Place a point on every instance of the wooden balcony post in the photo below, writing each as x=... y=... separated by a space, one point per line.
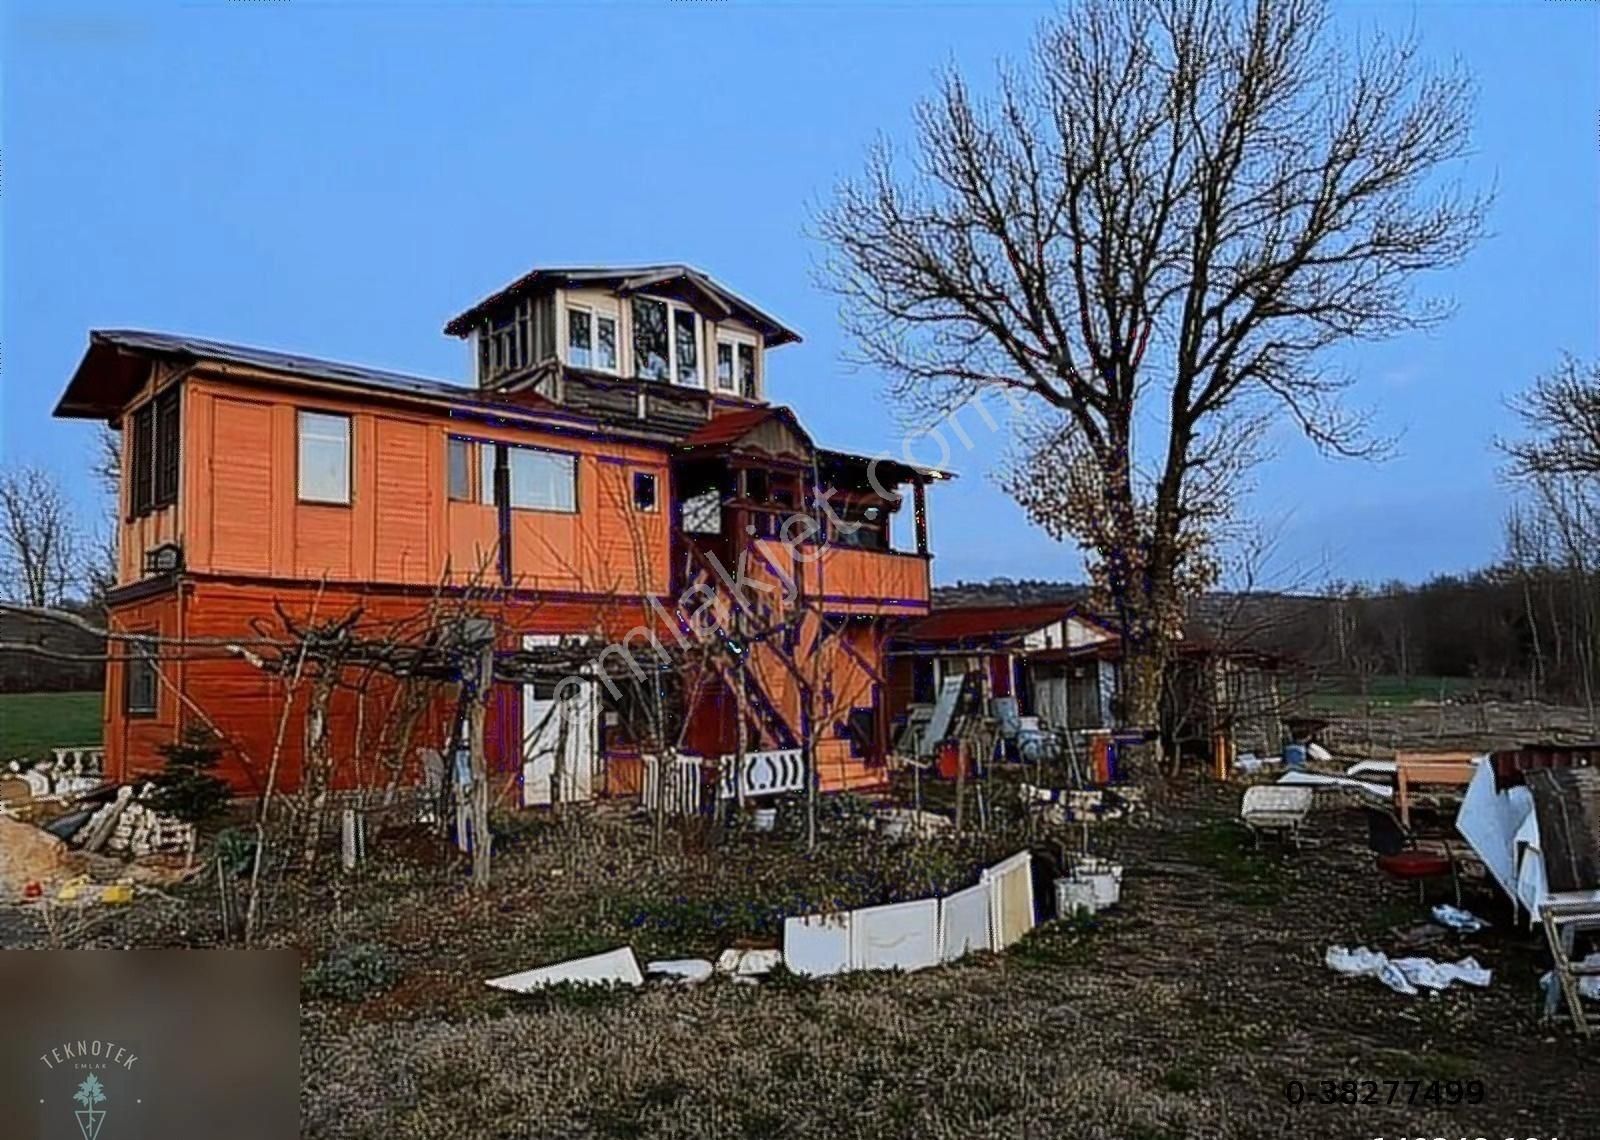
x=920 y=514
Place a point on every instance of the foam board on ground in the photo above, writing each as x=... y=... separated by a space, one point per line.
x=614 y=966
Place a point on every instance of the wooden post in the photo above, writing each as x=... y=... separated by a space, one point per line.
x=479 y=790
x=919 y=502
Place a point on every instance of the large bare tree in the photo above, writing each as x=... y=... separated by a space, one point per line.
x=1148 y=236
x=40 y=546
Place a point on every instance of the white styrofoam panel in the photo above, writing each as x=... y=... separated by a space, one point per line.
x=964 y=922
x=817 y=945
x=1011 y=898
x=902 y=936
x=619 y=966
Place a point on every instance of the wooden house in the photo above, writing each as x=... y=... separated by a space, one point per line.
x=614 y=449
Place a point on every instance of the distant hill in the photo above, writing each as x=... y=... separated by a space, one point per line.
x=1009 y=592
x=23 y=672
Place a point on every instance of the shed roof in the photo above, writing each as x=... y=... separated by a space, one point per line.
x=991 y=623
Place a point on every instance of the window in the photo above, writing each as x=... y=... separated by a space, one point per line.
x=644 y=491
x=139 y=678
x=862 y=729
x=580 y=337
x=864 y=526
x=605 y=343
x=650 y=339
x=142 y=478
x=153 y=457
x=747 y=370
x=736 y=366
x=686 y=346
x=516 y=338
x=591 y=339
x=666 y=342
x=460 y=469
x=487 y=488
x=542 y=480
x=166 y=448
x=324 y=458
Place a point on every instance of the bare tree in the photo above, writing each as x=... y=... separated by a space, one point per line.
x=40 y=547
x=1159 y=223
x=1552 y=536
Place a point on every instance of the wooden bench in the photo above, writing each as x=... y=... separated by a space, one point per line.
x=1413 y=768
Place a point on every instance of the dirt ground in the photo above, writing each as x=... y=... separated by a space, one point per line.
x=1200 y=1007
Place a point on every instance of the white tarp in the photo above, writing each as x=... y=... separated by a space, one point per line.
x=817 y=945
x=1503 y=829
x=617 y=966
x=1405 y=975
x=964 y=919
x=900 y=936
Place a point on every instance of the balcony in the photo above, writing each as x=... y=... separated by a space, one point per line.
x=852 y=580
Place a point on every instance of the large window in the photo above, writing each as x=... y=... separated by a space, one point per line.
x=736 y=366
x=591 y=339
x=542 y=480
x=154 y=454
x=666 y=342
x=324 y=458
x=139 y=678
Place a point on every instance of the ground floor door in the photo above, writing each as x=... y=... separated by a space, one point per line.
x=568 y=726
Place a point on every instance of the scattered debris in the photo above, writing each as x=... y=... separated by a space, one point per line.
x=1275 y=808
x=682 y=971
x=749 y=963
x=1462 y=921
x=614 y=967
x=904 y=823
x=1405 y=975
x=1588 y=985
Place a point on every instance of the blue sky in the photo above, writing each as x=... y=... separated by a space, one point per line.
x=339 y=179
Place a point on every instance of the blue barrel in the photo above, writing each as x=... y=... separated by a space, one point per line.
x=1294 y=755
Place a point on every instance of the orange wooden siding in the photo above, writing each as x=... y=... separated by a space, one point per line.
x=241 y=513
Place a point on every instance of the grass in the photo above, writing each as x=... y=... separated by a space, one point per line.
x=1388 y=690
x=1253 y=878
x=33 y=723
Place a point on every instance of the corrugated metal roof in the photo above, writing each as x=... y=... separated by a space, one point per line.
x=174 y=344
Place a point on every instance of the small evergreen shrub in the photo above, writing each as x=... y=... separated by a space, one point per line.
x=186 y=787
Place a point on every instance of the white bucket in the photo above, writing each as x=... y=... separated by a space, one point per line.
x=766 y=819
x=1105 y=877
x=1074 y=895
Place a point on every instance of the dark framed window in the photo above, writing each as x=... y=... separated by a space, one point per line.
x=141 y=459
x=139 y=681
x=644 y=491
x=166 y=448
x=651 y=347
x=459 y=469
x=862 y=729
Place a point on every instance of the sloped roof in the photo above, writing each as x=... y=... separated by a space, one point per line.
x=111 y=370
x=627 y=279
x=987 y=623
x=729 y=427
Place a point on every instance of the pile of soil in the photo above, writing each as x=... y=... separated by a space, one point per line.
x=29 y=855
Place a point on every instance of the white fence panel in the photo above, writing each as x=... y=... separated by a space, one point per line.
x=1010 y=883
x=965 y=923
x=681 y=785
x=817 y=945
x=903 y=936
x=764 y=774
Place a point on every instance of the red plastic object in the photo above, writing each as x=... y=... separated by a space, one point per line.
x=1414 y=865
x=32 y=890
x=950 y=760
